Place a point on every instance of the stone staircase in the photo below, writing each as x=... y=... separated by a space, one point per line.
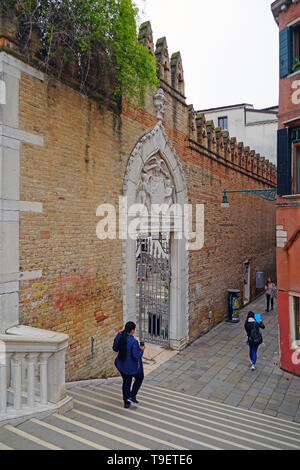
x=163 y=420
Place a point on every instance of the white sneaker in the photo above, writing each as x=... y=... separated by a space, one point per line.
x=252 y=367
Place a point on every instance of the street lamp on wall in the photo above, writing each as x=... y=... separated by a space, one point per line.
x=225 y=203
x=267 y=194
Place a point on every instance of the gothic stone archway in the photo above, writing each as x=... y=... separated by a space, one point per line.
x=154 y=153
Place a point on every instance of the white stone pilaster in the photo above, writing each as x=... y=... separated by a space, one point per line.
x=18 y=359
x=43 y=360
x=31 y=359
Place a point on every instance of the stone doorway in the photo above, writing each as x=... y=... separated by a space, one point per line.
x=154 y=175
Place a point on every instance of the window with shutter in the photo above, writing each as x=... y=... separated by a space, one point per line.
x=284 y=173
x=296 y=55
x=297 y=317
x=286 y=46
x=296 y=167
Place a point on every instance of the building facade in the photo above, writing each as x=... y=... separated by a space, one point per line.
x=255 y=127
x=64 y=158
x=287 y=16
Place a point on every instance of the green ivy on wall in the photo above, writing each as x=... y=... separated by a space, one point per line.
x=95 y=40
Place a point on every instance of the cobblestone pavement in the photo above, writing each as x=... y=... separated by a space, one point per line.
x=217 y=367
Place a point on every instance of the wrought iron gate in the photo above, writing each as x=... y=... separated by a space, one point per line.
x=153 y=288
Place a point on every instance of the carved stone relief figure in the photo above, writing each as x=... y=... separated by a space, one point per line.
x=144 y=196
x=156 y=184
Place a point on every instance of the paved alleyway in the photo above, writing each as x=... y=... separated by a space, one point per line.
x=216 y=367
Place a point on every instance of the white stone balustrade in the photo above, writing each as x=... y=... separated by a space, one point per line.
x=32 y=371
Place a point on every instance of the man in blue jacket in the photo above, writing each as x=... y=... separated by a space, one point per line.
x=129 y=362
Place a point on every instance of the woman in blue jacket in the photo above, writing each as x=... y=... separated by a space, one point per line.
x=254 y=336
x=129 y=362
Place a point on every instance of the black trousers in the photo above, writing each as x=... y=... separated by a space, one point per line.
x=127 y=381
x=269 y=297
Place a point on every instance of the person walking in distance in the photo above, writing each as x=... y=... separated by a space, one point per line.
x=252 y=327
x=129 y=362
x=270 y=289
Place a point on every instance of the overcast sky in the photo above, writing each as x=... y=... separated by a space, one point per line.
x=229 y=48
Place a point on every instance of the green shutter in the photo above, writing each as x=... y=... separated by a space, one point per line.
x=284 y=172
x=286 y=51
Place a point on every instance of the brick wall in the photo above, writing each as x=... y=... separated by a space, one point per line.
x=78 y=168
x=289 y=102
x=81 y=164
x=243 y=232
x=291 y=14
x=288 y=211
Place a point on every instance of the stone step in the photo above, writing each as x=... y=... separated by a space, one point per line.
x=163 y=420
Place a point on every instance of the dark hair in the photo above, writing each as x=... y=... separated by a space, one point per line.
x=122 y=344
x=250 y=315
